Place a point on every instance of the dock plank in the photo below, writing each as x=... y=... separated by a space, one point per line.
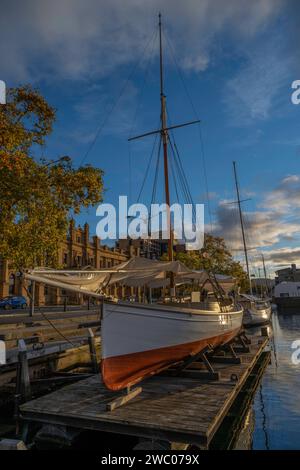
x=173 y=408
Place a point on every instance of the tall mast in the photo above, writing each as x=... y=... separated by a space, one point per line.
x=242 y=223
x=164 y=136
x=163 y=131
x=265 y=273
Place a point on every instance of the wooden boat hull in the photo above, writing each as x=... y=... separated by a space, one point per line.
x=140 y=340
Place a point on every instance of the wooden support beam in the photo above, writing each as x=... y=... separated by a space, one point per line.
x=92 y=347
x=32 y=299
x=123 y=399
x=225 y=359
x=23 y=387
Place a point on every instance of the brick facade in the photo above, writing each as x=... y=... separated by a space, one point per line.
x=77 y=251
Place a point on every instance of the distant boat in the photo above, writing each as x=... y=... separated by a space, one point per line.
x=257 y=310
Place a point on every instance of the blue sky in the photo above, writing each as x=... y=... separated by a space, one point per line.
x=238 y=60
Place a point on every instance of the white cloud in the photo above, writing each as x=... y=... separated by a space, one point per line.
x=275 y=223
x=254 y=90
x=82 y=39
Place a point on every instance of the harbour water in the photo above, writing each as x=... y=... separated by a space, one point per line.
x=274 y=420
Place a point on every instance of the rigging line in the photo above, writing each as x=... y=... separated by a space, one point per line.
x=184 y=188
x=198 y=126
x=182 y=177
x=107 y=116
x=147 y=169
x=176 y=191
x=180 y=170
x=47 y=319
x=136 y=112
x=147 y=69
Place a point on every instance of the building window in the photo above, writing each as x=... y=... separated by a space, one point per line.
x=65 y=261
x=79 y=260
x=78 y=239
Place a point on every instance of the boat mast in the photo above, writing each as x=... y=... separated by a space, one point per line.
x=265 y=273
x=164 y=137
x=163 y=131
x=242 y=224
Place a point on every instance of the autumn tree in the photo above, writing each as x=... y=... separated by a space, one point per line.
x=37 y=196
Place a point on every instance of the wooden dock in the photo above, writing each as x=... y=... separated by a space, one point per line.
x=180 y=409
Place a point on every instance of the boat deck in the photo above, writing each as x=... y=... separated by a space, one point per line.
x=178 y=409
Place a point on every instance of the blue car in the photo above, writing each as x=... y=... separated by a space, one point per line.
x=13 y=301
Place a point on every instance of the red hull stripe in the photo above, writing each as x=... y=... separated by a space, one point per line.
x=120 y=371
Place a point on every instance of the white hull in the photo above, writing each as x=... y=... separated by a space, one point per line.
x=253 y=316
x=139 y=340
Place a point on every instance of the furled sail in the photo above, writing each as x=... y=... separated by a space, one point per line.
x=135 y=272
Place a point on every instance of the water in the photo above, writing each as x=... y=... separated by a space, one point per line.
x=276 y=406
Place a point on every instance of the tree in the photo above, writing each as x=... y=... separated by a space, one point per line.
x=37 y=197
x=216 y=258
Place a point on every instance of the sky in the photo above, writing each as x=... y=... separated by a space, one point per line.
x=230 y=64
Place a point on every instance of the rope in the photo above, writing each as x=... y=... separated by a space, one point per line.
x=47 y=319
x=154 y=188
x=100 y=128
x=198 y=126
x=136 y=113
x=147 y=169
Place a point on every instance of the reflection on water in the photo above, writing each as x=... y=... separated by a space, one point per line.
x=276 y=405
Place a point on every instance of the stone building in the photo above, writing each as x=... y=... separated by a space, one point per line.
x=77 y=251
x=149 y=248
x=291 y=274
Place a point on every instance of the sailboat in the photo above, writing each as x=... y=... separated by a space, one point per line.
x=139 y=340
x=257 y=310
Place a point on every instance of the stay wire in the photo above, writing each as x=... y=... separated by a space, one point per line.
x=147 y=169
x=147 y=69
x=198 y=126
x=177 y=159
x=48 y=320
x=107 y=116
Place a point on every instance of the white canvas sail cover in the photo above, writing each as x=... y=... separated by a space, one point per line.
x=136 y=272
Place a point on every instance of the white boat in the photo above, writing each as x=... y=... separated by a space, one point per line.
x=139 y=340
x=257 y=311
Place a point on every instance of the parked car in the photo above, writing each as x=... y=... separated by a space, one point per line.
x=13 y=301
